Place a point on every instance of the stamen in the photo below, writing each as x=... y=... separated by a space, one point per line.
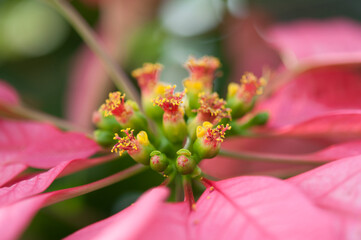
x=211 y=135
x=251 y=86
x=203 y=68
x=115 y=105
x=171 y=101
x=212 y=108
x=128 y=143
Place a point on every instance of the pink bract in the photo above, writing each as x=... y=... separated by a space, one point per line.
x=8 y=94
x=38 y=145
x=239 y=208
x=312 y=42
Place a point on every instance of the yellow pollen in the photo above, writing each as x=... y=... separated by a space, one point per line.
x=193 y=85
x=207 y=125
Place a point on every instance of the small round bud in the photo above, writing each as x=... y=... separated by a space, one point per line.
x=158 y=161
x=185 y=162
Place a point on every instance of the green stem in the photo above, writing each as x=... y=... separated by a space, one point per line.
x=270 y=158
x=65 y=194
x=117 y=75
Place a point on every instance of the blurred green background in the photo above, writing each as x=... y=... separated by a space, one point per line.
x=39 y=53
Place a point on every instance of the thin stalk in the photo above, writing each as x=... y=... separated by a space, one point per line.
x=188 y=193
x=117 y=75
x=18 y=111
x=270 y=158
x=65 y=194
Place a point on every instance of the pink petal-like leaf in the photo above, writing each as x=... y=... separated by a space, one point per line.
x=313 y=94
x=335 y=185
x=41 y=145
x=38 y=145
x=239 y=208
x=8 y=94
x=313 y=42
x=128 y=223
x=40 y=182
x=274 y=151
x=14 y=217
x=10 y=171
x=337 y=124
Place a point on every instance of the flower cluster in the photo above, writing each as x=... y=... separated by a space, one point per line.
x=193 y=123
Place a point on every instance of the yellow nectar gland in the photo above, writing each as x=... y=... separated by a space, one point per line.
x=142 y=138
x=193 y=86
x=128 y=143
x=201 y=130
x=233 y=89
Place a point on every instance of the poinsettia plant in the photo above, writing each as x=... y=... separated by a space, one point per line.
x=190 y=136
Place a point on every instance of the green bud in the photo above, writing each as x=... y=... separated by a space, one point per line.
x=185 y=162
x=158 y=161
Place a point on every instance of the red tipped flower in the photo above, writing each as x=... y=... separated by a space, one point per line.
x=212 y=108
x=173 y=122
x=170 y=103
x=250 y=87
x=147 y=76
x=117 y=107
x=241 y=97
x=209 y=139
x=203 y=69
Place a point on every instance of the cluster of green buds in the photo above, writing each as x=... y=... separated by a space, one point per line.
x=189 y=126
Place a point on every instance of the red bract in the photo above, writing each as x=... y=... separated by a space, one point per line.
x=314 y=93
x=335 y=41
x=8 y=94
x=334 y=186
x=238 y=208
x=38 y=145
